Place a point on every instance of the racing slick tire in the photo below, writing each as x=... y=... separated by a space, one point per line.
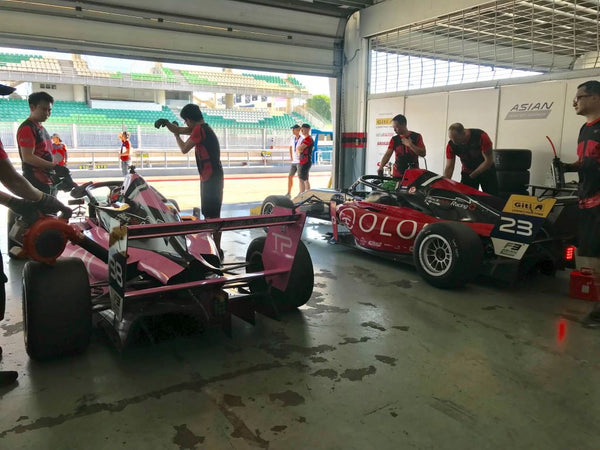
x=512 y=180
x=448 y=254
x=508 y=159
x=300 y=284
x=275 y=200
x=57 y=308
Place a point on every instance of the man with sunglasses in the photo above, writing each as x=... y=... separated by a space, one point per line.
x=587 y=104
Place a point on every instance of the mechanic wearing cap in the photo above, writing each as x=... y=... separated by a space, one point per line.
x=294 y=141
x=208 y=159
x=407 y=146
x=35 y=146
x=474 y=148
x=304 y=151
x=32 y=200
x=587 y=104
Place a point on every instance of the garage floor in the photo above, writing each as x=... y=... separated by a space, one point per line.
x=377 y=359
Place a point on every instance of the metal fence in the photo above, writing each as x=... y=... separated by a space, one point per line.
x=97 y=147
x=148 y=137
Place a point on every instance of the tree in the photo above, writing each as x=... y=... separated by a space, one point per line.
x=321 y=104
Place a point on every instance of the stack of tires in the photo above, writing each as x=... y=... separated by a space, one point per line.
x=512 y=170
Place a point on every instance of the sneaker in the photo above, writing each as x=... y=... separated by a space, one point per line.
x=8 y=377
x=288 y=195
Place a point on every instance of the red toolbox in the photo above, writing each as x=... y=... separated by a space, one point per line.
x=583 y=285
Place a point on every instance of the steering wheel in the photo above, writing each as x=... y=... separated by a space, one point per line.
x=372 y=181
x=87 y=190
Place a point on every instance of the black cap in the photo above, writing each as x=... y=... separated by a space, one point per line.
x=305 y=125
x=6 y=90
x=295 y=127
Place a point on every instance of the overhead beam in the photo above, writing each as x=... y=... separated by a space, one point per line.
x=81 y=35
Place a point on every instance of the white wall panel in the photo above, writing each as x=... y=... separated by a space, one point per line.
x=426 y=114
x=515 y=116
x=527 y=114
x=476 y=108
x=379 y=129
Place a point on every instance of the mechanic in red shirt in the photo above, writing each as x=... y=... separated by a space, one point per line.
x=35 y=146
x=407 y=146
x=587 y=104
x=59 y=150
x=208 y=159
x=474 y=148
x=124 y=155
x=31 y=201
x=304 y=150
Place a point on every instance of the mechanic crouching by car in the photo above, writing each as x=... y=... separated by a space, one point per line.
x=406 y=146
x=474 y=148
x=32 y=201
x=208 y=159
x=35 y=149
x=587 y=104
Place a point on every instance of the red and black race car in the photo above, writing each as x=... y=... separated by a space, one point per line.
x=452 y=232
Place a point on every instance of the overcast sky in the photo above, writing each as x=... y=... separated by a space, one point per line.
x=315 y=85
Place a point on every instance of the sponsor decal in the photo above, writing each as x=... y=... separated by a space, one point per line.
x=432 y=201
x=534 y=110
x=529 y=206
x=383 y=121
x=459 y=203
x=381 y=226
x=509 y=248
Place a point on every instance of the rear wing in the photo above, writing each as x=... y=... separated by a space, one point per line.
x=284 y=232
x=518 y=225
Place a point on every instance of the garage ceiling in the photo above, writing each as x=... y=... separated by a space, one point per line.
x=300 y=36
x=537 y=35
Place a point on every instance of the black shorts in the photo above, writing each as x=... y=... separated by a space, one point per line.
x=303 y=171
x=589 y=232
x=211 y=196
x=293 y=169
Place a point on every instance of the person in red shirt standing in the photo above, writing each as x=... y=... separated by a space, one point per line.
x=35 y=146
x=474 y=148
x=32 y=200
x=587 y=104
x=304 y=150
x=125 y=155
x=407 y=146
x=59 y=150
x=294 y=141
x=208 y=159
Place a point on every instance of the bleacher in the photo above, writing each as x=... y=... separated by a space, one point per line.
x=247 y=119
x=29 y=63
x=82 y=69
x=17 y=110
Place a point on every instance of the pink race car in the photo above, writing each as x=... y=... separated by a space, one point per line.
x=131 y=256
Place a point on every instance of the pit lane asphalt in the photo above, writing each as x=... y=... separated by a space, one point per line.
x=376 y=359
